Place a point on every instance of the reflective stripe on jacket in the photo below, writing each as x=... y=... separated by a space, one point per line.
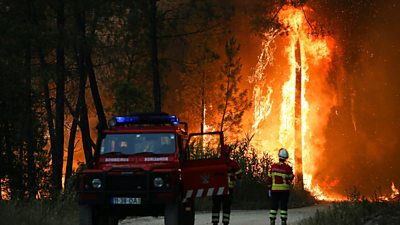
x=280 y=177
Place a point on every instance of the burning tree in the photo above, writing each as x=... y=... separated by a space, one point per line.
x=298 y=103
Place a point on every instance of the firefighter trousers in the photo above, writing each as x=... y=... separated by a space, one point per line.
x=225 y=201
x=279 y=200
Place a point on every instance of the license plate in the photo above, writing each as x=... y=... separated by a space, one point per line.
x=126 y=201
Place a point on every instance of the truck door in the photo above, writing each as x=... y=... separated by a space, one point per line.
x=204 y=171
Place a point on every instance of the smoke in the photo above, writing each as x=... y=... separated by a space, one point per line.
x=360 y=147
x=363 y=148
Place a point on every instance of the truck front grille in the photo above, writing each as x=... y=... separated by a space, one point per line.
x=126 y=183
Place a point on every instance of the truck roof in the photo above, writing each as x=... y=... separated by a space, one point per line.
x=146 y=122
x=143 y=129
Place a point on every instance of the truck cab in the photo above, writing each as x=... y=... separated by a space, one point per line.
x=148 y=165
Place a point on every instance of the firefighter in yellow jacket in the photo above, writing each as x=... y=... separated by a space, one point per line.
x=280 y=178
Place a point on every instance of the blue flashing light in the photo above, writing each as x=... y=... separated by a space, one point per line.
x=174 y=119
x=145 y=119
x=127 y=119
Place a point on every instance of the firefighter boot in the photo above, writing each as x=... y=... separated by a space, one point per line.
x=283 y=222
x=272 y=221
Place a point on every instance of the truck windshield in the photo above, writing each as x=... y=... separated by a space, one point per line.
x=136 y=143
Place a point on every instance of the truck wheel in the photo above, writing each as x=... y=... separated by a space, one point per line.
x=188 y=212
x=107 y=220
x=86 y=215
x=173 y=213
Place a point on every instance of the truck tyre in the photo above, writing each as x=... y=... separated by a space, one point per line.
x=173 y=213
x=86 y=215
x=107 y=220
x=188 y=212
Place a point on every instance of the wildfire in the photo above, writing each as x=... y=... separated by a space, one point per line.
x=4 y=194
x=395 y=194
x=274 y=100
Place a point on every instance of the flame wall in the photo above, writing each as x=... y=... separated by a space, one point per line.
x=353 y=93
x=363 y=148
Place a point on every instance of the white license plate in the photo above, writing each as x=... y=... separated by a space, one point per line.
x=126 y=201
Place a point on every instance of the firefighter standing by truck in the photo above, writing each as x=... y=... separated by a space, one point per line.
x=280 y=178
x=234 y=173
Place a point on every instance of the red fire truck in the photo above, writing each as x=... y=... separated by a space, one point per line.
x=148 y=165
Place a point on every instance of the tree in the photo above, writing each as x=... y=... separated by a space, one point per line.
x=154 y=55
x=190 y=41
x=234 y=102
x=58 y=154
x=21 y=130
x=130 y=99
x=29 y=111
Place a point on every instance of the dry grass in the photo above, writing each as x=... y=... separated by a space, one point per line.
x=358 y=213
x=38 y=212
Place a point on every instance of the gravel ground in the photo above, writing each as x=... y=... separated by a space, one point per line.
x=238 y=217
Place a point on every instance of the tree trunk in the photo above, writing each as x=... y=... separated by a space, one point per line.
x=85 y=52
x=298 y=150
x=29 y=136
x=98 y=104
x=203 y=102
x=47 y=101
x=81 y=108
x=154 y=56
x=95 y=90
x=58 y=154
x=71 y=148
x=227 y=98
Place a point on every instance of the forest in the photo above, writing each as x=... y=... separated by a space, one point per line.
x=67 y=66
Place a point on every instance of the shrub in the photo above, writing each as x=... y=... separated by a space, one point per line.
x=61 y=211
x=357 y=213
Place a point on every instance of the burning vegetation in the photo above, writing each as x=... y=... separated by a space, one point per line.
x=323 y=80
x=298 y=103
x=306 y=99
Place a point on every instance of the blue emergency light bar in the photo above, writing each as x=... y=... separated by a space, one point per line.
x=144 y=119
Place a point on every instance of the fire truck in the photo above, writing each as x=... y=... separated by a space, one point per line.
x=148 y=165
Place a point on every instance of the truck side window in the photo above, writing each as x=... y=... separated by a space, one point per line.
x=204 y=147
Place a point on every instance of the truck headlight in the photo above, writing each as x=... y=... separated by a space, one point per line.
x=96 y=183
x=158 y=182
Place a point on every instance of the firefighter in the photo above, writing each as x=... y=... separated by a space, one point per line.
x=280 y=178
x=234 y=173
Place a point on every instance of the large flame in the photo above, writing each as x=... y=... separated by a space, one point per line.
x=274 y=98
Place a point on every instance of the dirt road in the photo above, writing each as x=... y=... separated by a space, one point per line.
x=238 y=217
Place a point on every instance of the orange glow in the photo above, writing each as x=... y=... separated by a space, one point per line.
x=395 y=192
x=274 y=100
x=3 y=190
x=393 y=195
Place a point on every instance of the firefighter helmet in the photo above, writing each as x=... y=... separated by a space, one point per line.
x=283 y=154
